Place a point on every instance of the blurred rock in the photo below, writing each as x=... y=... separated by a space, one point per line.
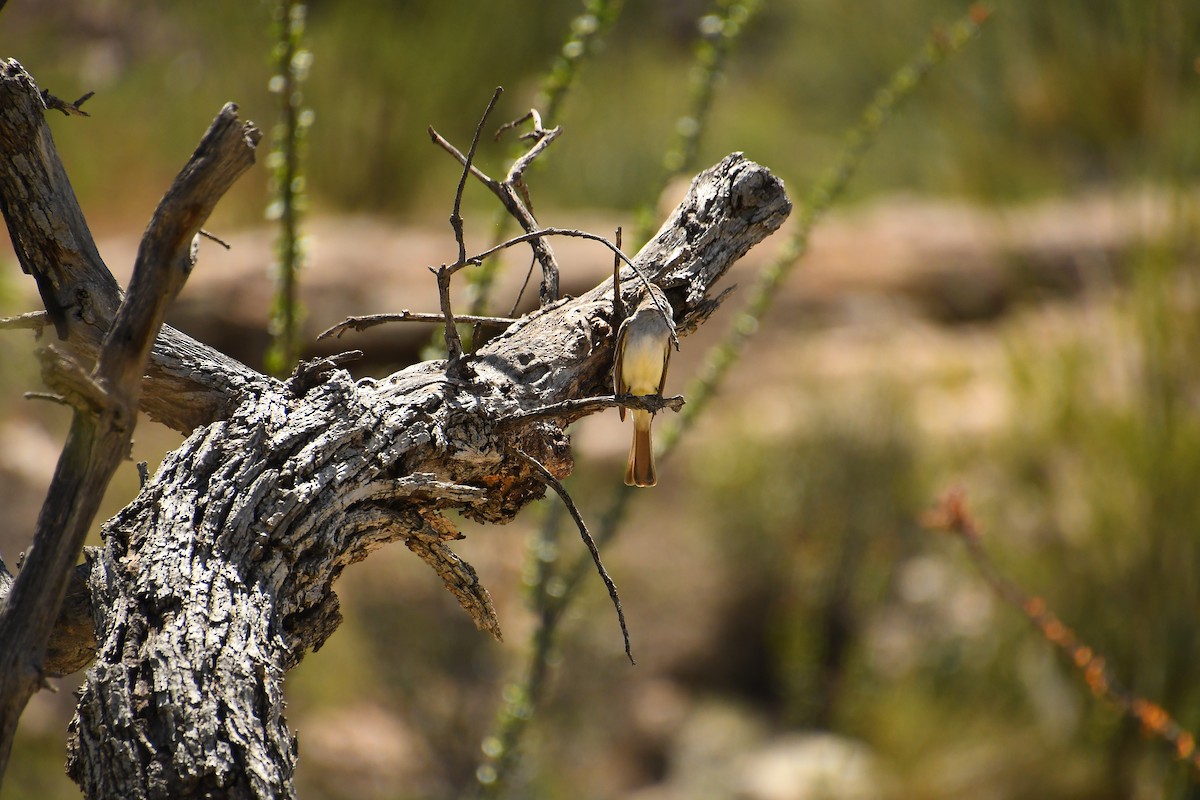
x=705 y=752
x=364 y=752
x=947 y=262
x=722 y=750
x=28 y=454
x=817 y=766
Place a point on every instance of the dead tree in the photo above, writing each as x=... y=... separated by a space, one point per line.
x=218 y=577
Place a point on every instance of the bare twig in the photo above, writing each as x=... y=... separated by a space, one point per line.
x=553 y=482
x=524 y=285
x=212 y=237
x=573 y=232
x=516 y=172
x=953 y=516
x=49 y=397
x=454 y=346
x=479 y=174
x=540 y=233
x=366 y=321
x=583 y=406
x=35 y=320
x=456 y=220
x=68 y=109
x=618 y=312
x=531 y=114
x=585 y=33
x=511 y=193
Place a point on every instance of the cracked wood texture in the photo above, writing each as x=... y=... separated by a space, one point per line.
x=218 y=577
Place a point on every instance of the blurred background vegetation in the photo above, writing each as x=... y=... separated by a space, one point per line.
x=1007 y=301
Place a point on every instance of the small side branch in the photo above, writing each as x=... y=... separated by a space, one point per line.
x=456 y=220
x=548 y=478
x=33 y=320
x=583 y=406
x=362 y=323
x=511 y=192
x=454 y=346
x=58 y=104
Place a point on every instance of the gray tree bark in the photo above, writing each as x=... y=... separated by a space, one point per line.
x=218 y=577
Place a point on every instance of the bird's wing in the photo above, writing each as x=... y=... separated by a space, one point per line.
x=618 y=383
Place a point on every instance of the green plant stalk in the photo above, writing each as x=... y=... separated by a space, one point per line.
x=719 y=32
x=501 y=745
x=286 y=160
x=522 y=699
x=585 y=38
x=824 y=194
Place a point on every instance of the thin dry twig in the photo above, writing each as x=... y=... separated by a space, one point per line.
x=582 y=406
x=531 y=114
x=579 y=234
x=68 y=109
x=524 y=286
x=540 y=233
x=544 y=138
x=553 y=482
x=952 y=515
x=515 y=198
x=47 y=396
x=212 y=237
x=362 y=323
x=454 y=346
x=456 y=220
x=618 y=312
x=35 y=320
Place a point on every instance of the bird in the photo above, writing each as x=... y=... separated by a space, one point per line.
x=640 y=368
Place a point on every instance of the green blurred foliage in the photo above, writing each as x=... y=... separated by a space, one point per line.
x=1056 y=94
x=821 y=516
x=1109 y=453
x=847 y=617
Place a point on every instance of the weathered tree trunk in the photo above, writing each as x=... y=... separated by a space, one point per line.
x=218 y=577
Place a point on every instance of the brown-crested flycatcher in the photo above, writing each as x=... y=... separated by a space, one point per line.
x=640 y=368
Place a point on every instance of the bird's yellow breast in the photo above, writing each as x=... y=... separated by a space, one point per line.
x=642 y=364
